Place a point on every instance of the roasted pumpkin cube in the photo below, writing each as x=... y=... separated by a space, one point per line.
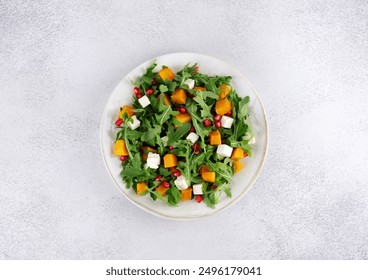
x=238 y=153
x=204 y=168
x=162 y=190
x=166 y=74
x=120 y=148
x=183 y=118
x=179 y=96
x=215 y=137
x=209 y=176
x=225 y=90
x=126 y=109
x=237 y=165
x=199 y=88
x=170 y=160
x=186 y=194
x=223 y=106
x=141 y=187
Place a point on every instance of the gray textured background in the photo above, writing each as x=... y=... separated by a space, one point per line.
x=59 y=62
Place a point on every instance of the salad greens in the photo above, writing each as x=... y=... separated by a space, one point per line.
x=182 y=104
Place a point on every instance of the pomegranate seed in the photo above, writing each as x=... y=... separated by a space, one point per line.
x=199 y=198
x=154 y=82
x=176 y=173
x=182 y=110
x=196 y=148
x=214 y=187
x=166 y=184
x=171 y=148
x=218 y=124
x=196 y=69
x=149 y=91
x=245 y=154
x=119 y=122
x=123 y=158
x=217 y=118
x=158 y=178
x=136 y=91
x=192 y=129
x=229 y=114
x=207 y=123
x=139 y=95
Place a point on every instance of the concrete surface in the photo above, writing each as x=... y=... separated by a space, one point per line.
x=59 y=62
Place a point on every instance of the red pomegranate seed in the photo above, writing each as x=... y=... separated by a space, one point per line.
x=214 y=187
x=154 y=82
x=196 y=148
x=171 y=148
x=245 y=154
x=229 y=114
x=119 y=122
x=158 y=178
x=199 y=198
x=217 y=118
x=207 y=123
x=149 y=91
x=192 y=129
x=139 y=95
x=123 y=158
x=166 y=184
x=176 y=173
x=136 y=91
x=196 y=69
x=218 y=124
x=182 y=110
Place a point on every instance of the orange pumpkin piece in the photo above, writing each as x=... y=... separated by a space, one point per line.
x=141 y=187
x=238 y=153
x=166 y=99
x=209 y=176
x=186 y=194
x=225 y=90
x=162 y=190
x=126 y=109
x=170 y=160
x=204 y=168
x=179 y=96
x=215 y=137
x=183 y=118
x=199 y=88
x=166 y=74
x=145 y=150
x=237 y=165
x=120 y=148
x=223 y=106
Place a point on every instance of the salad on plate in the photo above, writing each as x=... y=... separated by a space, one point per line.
x=183 y=137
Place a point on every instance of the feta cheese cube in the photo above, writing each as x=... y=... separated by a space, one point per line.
x=192 y=137
x=226 y=122
x=189 y=83
x=144 y=101
x=153 y=160
x=136 y=123
x=164 y=140
x=181 y=183
x=197 y=189
x=224 y=150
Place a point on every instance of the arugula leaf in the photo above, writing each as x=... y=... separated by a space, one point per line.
x=180 y=131
x=163 y=88
x=174 y=196
x=206 y=110
x=165 y=116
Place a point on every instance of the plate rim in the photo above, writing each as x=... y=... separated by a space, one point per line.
x=252 y=181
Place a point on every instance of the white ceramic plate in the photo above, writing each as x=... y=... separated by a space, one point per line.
x=243 y=180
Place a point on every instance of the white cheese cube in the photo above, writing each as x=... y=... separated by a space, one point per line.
x=226 y=122
x=224 y=150
x=189 y=83
x=197 y=189
x=192 y=137
x=136 y=123
x=181 y=183
x=153 y=160
x=144 y=101
x=252 y=141
x=164 y=140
